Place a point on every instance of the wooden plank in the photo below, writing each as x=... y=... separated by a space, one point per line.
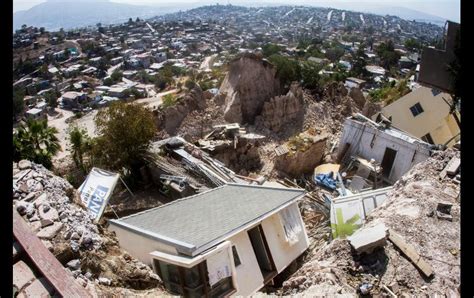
x=46 y=262
x=411 y=253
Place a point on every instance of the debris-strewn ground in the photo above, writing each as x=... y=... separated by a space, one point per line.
x=92 y=254
x=409 y=210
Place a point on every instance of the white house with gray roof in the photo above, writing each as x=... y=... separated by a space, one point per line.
x=231 y=240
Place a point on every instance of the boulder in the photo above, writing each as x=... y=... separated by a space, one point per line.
x=50 y=232
x=24 y=164
x=74 y=264
x=358 y=97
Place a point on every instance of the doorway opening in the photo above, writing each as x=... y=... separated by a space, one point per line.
x=387 y=161
x=262 y=253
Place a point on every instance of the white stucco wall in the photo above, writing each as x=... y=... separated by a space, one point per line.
x=248 y=277
x=360 y=140
x=283 y=254
x=138 y=245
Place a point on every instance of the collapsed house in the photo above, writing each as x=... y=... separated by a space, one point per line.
x=393 y=151
x=237 y=238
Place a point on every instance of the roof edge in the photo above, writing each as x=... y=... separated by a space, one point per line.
x=245 y=226
x=181 y=247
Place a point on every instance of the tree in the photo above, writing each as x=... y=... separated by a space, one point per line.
x=130 y=21
x=334 y=53
x=412 y=44
x=35 y=141
x=287 y=70
x=51 y=99
x=42 y=30
x=108 y=82
x=116 y=76
x=388 y=55
x=310 y=75
x=18 y=102
x=359 y=63
x=80 y=146
x=125 y=131
x=270 y=49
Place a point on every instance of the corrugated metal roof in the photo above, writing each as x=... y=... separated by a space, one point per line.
x=206 y=217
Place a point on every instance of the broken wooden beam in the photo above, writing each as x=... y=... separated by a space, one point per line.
x=45 y=261
x=411 y=253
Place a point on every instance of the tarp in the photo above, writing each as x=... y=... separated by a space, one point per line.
x=291 y=224
x=348 y=212
x=327 y=168
x=326 y=180
x=96 y=190
x=218 y=266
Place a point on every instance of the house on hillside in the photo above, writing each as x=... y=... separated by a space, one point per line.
x=395 y=150
x=72 y=99
x=433 y=70
x=425 y=113
x=231 y=240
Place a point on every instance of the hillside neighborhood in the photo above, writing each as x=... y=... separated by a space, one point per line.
x=238 y=151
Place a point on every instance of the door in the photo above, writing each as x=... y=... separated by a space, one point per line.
x=262 y=253
x=387 y=161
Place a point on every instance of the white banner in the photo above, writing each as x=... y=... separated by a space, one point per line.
x=289 y=218
x=218 y=266
x=96 y=191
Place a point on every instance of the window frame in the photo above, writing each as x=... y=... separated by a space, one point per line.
x=203 y=276
x=416 y=109
x=235 y=253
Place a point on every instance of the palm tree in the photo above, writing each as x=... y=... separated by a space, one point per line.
x=80 y=145
x=35 y=141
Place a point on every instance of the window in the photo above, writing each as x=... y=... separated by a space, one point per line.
x=416 y=109
x=191 y=282
x=236 y=256
x=427 y=138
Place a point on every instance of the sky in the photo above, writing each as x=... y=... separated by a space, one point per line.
x=448 y=9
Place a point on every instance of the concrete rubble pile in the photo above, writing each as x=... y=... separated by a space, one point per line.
x=49 y=204
x=423 y=213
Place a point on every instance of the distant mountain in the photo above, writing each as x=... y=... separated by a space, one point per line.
x=56 y=14
x=379 y=9
x=405 y=13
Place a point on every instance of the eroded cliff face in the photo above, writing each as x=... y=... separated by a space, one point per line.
x=171 y=118
x=283 y=110
x=305 y=153
x=248 y=84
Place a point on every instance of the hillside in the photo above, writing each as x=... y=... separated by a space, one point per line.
x=55 y=14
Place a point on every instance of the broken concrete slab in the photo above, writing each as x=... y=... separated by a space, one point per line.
x=443 y=211
x=453 y=166
x=22 y=275
x=50 y=232
x=39 y=288
x=43 y=198
x=48 y=213
x=366 y=240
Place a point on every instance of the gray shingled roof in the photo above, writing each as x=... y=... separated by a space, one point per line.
x=203 y=218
